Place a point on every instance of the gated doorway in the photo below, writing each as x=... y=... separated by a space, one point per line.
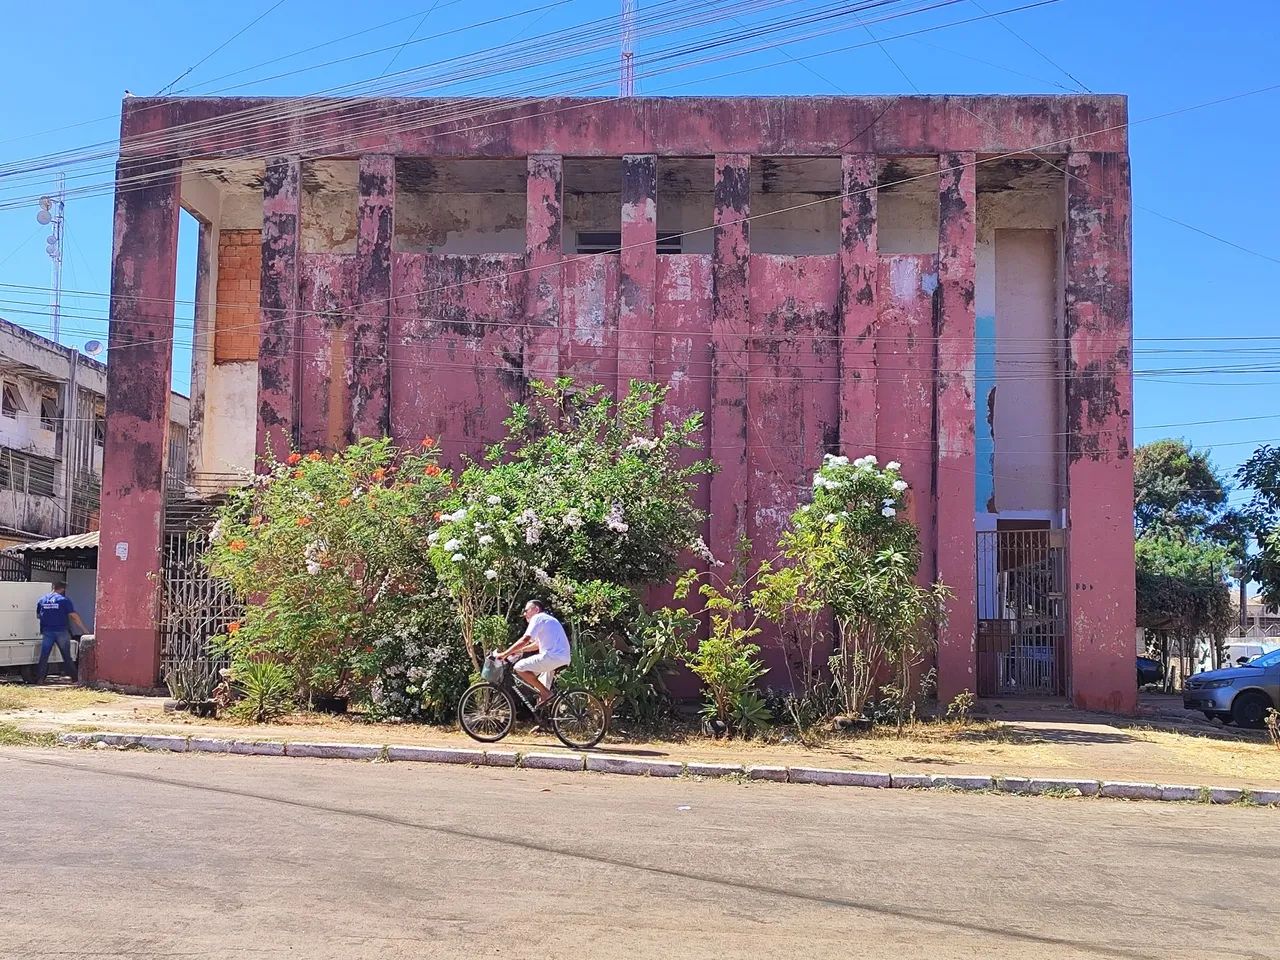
x=1022 y=633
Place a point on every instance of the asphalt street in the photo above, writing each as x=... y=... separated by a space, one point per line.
x=107 y=854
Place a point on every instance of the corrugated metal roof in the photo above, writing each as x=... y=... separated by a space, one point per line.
x=81 y=541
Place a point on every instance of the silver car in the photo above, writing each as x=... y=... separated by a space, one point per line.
x=1243 y=694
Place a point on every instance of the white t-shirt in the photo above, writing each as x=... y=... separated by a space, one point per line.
x=549 y=635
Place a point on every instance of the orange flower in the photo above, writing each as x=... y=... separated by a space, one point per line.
x=432 y=470
x=439 y=516
x=314 y=456
x=237 y=545
x=379 y=475
x=344 y=501
x=255 y=521
x=297 y=474
x=428 y=443
x=304 y=521
x=233 y=626
x=294 y=458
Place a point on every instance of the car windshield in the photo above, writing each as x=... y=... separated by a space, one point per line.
x=1266 y=660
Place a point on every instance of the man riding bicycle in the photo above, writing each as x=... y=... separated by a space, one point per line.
x=549 y=644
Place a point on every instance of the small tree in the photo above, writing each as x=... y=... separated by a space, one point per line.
x=1183 y=593
x=726 y=660
x=321 y=549
x=851 y=552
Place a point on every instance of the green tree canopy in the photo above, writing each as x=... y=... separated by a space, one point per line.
x=1187 y=540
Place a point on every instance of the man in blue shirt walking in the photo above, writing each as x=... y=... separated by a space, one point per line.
x=57 y=613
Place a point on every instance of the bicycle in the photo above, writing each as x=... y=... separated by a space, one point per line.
x=487 y=710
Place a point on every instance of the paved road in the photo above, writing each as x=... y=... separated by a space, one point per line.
x=143 y=855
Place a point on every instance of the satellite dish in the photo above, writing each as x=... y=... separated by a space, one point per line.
x=93 y=347
x=43 y=217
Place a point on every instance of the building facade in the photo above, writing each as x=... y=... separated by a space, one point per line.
x=943 y=281
x=52 y=434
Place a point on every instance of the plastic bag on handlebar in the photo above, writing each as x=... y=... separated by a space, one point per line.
x=491 y=670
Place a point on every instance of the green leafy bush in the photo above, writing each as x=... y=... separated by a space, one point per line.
x=318 y=548
x=726 y=660
x=586 y=501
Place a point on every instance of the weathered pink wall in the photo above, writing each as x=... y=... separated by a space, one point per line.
x=787 y=357
x=955 y=437
x=1099 y=332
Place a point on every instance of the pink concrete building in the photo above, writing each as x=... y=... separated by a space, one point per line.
x=942 y=281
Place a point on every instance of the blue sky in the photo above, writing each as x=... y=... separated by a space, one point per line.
x=1210 y=168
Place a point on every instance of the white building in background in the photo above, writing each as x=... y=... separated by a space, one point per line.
x=52 y=417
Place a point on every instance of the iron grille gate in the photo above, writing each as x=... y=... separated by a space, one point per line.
x=1021 y=613
x=195 y=605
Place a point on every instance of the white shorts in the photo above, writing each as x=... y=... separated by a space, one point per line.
x=543 y=664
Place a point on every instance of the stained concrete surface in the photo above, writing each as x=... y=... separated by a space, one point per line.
x=112 y=854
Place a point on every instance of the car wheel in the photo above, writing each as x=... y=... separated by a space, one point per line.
x=1250 y=709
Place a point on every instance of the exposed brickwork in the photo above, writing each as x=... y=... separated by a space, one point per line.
x=235 y=325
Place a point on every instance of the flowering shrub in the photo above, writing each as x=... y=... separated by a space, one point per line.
x=585 y=501
x=852 y=553
x=422 y=668
x=321 y=548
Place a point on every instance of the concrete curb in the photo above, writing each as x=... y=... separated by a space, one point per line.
x=643 y=767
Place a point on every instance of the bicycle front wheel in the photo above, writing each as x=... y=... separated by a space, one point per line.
x=578 y=719
x=486 y=713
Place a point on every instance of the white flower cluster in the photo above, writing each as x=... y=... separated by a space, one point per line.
x=542 y=577
x=491 y=574
x=312 y=554
x=642 y=443
x=215 y=535
x=485 y=539
x=700 y=549
x=825 y=483
x=533 y=527
x=452 y=545
x=572 y=519
x=614 y=520
x=459 y=514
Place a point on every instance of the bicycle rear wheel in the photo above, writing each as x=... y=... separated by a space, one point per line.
x=578 y=719
x=486 y=712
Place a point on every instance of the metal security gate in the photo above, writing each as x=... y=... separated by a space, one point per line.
x=1021 y=613
x=195 y=606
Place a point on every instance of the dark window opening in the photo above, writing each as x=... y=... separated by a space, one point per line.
x=28 y=473
x=611 y=242
x=12 y=404
x=40 y=476
x=49 y=413
x=99 y=431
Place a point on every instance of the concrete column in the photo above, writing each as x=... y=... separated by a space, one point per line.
x=1099 y=408
x=730 y=346
x=544 y=253
x=954 y=498
x=857 y=305
x=143 y=272
x=369 y=370
x=638 y=264
x=279 y=343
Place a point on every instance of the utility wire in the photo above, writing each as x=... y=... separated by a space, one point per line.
x=222 y=46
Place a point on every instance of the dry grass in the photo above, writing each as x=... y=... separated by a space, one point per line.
x=1225 y=758
x=11 y=736
x=53 y=697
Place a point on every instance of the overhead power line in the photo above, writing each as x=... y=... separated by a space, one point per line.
x=222 y=46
